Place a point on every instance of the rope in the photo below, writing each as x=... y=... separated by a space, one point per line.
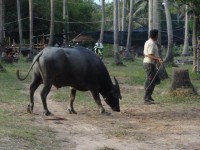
x=154 y=77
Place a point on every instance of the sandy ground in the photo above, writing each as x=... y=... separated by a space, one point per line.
x=139 y=127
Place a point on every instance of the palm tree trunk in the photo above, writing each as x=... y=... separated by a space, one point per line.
x=51 y=37
x=156 y=18
x=65 y=25
x=19 y=22
x=150 y=14
x=31 y=23
x=2 y=17
x=194 y=43
x=186 y=42
x=169 y=56
x=119 y=16
x=124 y=15
x=127 y=54
x=116 y=35
x=102 y=20
x=123 y=21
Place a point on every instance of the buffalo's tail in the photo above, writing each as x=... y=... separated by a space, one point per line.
x=34 y=61
x=20 y=78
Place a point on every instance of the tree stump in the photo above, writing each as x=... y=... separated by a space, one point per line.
x=181 y=80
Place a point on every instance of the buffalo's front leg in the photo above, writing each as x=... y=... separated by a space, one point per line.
x=44 y=93
x=34 y=85
x=72 y=98
x=98 y=101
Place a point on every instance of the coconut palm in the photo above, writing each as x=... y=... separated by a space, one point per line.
x=2 y=22
x=31 y=23
x=194 y=6
x=186 y=40
x=116 y=36
x=140 y=13
x=51 y=37
x=19 y=22
x=2 y=18
x=124 y=12
x=102 y=20
x=127 y=54
x=169 y=55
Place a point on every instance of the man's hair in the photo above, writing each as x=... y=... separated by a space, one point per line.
x=153 y=33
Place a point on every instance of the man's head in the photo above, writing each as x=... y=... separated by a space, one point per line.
x=154 y=34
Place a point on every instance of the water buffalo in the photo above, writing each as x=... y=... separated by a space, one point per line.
x=78 y=68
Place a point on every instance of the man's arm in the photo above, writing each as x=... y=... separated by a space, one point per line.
x=154 y=58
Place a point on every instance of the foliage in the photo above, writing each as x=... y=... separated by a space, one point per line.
x=82 y=15
x=193 y=4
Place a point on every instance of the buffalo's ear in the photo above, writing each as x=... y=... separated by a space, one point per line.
x=116 y=89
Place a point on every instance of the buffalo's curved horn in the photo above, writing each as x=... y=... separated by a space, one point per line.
x=118 y=88
x=116 y=82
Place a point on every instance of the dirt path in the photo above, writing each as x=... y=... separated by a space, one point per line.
x=137 y=127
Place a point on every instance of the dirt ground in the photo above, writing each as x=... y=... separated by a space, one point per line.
x=139 y=127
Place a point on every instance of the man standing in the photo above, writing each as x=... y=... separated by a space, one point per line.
x=151 y=58
x=98 y=49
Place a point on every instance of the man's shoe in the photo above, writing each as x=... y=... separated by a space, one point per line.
x=148 y=102
x=151 y=99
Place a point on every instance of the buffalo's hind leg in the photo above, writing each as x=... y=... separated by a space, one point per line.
x=44 y=93
x=37 y=80
x=72 y=98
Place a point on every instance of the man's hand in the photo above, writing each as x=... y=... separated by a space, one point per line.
x=160 y=60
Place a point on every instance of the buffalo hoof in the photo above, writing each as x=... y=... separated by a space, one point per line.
x=29 y=109
x=102 y=111
x=47 y=113
x=72 y=111
x=106 y=113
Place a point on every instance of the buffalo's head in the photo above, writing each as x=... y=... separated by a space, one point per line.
x=113 y=97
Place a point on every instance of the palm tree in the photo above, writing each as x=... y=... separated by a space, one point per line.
x=31 y=23
x=156 y=18
x=169 y=56
x=51 y=37
x=186 y=42
x=140 y=12
x=2 y=18
x=116 y=36
x=119 y=16
x=150 y=15
x=194 y=42
x=127 y=54
x=124 y=10
x=65 y=18
x=194 y=9
x=19 y=22
x=102 y=20
x=2 y=22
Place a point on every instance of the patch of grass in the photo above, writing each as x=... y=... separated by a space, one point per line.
x=16 y=128
x=132 y=72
